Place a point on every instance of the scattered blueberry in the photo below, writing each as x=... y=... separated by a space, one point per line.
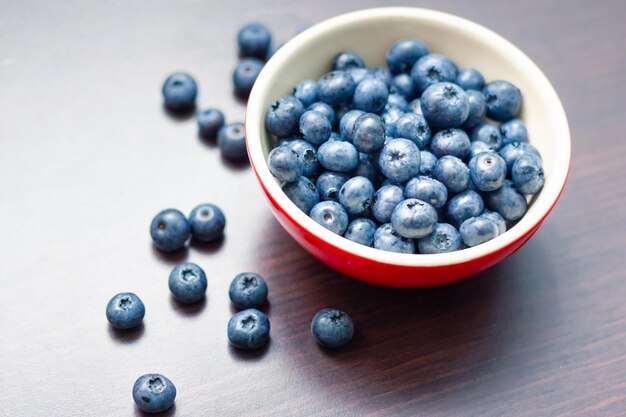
x=231 y=140
x=431 y=69
x=207 y=222
x=180 y=91
x=503 y=100
x=210 y=121
x=477 y=230
x=245 y=74
x=285 y=164
x=356 y=195
x=248 y=290
x=307 y=92
x=254 y=40
x=452 y=141
x=444 y=238
x=283 y=117
x=527 y=174
x=249 y=329
x=338 y=156
x=399 y=160
x=445 y=105
x=125 y=311
x=329 y=183
x=347 y=60
x=302 y=193
x=332 y=328
x=403 y=54
x=487 y=171
x=315 y=127
x=427 y=189
x=187 y=282
x=370 y=95
x=154 y=393
x=470 y=79
x=169 y=230
x=387 y=239
x=331 y=215
x=464 y=205
x=413 y=218
x=385 y=201
x=361 y=231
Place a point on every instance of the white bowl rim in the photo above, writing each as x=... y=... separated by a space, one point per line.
x=543 y=204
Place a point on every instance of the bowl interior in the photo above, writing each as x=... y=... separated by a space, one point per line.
x=370 y=33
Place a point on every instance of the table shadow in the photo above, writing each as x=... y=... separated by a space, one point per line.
x=126 y=336
x=173 y=258
x=171 y=412
x=188 y=309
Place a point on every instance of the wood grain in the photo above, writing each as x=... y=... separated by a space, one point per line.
x=88 y=156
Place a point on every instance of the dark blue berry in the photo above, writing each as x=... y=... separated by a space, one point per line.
x=399 y=160
x=249 y=329
x=347 y=60
x=285 y=164
x=187 y=282
x=463 y=206
x=444 y=238
x=231 y=140
x=154 y=393
x=527 y=174
x=427 y=189
x=431 y=69
x=338 y=156
x=315 y=127
x=346 y=124
x=254 y=39
x=413 y=218
x=477 y=109
x=248 y=290
x=445 y=105
x=332 y=328
x=488 y=133
x=331 y=215
x=325 y=109
x=245 y=74
x=385 y=201
x=452 y=172
x=329 y=183
x=503 y=100
x=210 y=121
x=361 y=231
x=477 y=230
x=402 y=85
x=282 y=118
x=413 y=127
x=307 y=92
x=356 y=195
x=514 y=131
x=487 y=171
x=307 y=154
x=336 y=87
x=169 y=230
x=180 y=91
x=470 y=79
x=507 y=201
x=453 y=142
x=370 y=95
x=207 y=222
x=302 y=193
x=388 y=240
x=125 y=310
x=403 y=54
x=368 y=133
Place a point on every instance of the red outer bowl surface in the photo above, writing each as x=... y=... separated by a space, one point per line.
x=369 y=33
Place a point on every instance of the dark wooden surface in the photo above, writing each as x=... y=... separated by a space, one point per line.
x=88 y=156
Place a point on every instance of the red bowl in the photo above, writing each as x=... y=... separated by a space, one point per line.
x=370 y=33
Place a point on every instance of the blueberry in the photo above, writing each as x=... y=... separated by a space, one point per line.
x=367 y=168
x=210 y=121
x=347 y=60
x=403 y=54
x=249 y=329
x=431 y=69
x=329 y=183
x=245 y=74
x=413 y=218
x=477 y=109
x=463 y=206
x=503 y=100
x=358 y=74
x=187 y=282
x=285 y=164
x=514 y=131
x=307 y=153
x=445 y=105
x=370 y=95
x=254 y=40
x=452 y=172
x=180 y=91
x=488 y=133
x=527 y=174
x=302 y=193
x=402 y=85
x=338 y=156
x=248 y=290
x=390 y=118
x=495 y=218
x=332 y=328
x=125 y=310
x=470 y=79
x=169 y=230
x=346 y=123
x=387 y=239
x=361 y=231
x=478 y=147
x=154 y=393
x=477 y=230
x=336 y=87
x=368 y=133
x=331 y=215
x=315 y=127
x=385 y=201
x=509 y=203
x=427 y=163
x=307 y=92
x=513 y=150
x=427 y=189
x=453 y=142
x=413 y=127
x=325 y=109
x=231 y=140
x=399 y=160
x=415 y=106
x=397 y=101
x=282 y=118
x=487 y=171
x=444 y=238
x=356 y=195
x=207 y=222
x=380 y=73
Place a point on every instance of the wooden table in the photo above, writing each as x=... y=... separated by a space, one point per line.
x=88 y=156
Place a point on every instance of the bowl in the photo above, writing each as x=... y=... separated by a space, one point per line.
x=370 y=33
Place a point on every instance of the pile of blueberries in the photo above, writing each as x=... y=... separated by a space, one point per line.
x=404 y=158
